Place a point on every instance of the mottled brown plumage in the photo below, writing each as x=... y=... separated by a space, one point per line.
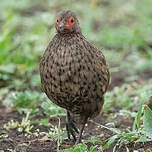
x=74 y=74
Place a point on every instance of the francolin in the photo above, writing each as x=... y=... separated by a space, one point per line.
x=74 y=74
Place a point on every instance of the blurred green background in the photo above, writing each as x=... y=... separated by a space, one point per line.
x=121 y=29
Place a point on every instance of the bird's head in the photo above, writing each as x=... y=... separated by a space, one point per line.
x=67 y=22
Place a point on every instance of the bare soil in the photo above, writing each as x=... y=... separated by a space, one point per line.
x=19 y=141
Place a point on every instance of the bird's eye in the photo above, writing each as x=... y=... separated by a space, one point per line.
x=58 y=21
x=72 y=20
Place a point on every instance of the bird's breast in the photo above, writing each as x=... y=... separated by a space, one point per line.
x=71 y=75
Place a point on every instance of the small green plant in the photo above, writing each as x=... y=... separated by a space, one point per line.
x=24 y=126
x=94 y=140
x=3 y=136
x=138 y=134
x=118 y=94
x=81 y=148
x=26 y=99
x=44 y=122
x=149 y=150
x=11 y=125
x=11 y=150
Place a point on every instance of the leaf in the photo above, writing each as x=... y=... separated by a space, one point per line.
x=110 y=141
x=142 y=139
x=137 y=119
x=44 y=122
x=93 y=148
x=147 y=121
x=114 y=130
x=138 y=116
x=81 y=148
x=149 y=150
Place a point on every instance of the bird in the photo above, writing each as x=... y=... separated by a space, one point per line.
x=74 y=74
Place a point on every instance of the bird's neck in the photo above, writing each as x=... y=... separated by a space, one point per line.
x=68 y=34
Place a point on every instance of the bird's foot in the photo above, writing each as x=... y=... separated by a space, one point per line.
x=71 y=127
x=80 y=133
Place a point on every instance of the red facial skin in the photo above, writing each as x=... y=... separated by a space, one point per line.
x=68 y=24
x=58 y=22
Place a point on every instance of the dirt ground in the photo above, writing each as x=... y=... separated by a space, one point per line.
x=18 y=141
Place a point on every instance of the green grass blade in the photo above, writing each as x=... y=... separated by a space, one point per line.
x=147 y=121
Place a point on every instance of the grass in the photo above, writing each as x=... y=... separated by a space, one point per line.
x=122 y=29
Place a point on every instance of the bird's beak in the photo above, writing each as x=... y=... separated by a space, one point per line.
x=62 y=25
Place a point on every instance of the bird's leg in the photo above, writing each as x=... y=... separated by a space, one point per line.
x=80 y=133
x=70 y=126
